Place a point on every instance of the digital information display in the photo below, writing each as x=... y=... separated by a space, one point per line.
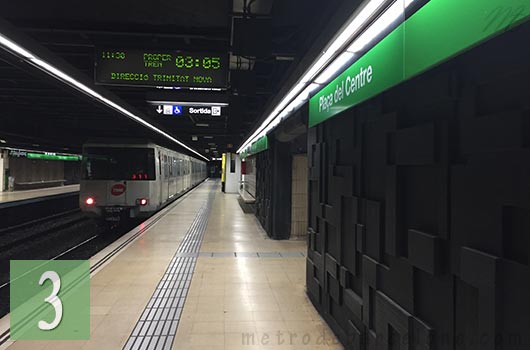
x=161 y=68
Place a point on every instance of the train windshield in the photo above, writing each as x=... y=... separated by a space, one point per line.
x=113 y=163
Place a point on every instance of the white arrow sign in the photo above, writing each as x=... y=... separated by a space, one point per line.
x=159 y=110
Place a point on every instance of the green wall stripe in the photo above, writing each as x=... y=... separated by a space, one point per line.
x=439 y=31
x=260 y=145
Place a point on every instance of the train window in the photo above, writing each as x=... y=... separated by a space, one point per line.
x=113 y=163
x=159 y=163
x=232 y=164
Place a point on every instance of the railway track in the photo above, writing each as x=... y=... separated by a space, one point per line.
x=24 y=212
x=65 y=236
x=19 y=234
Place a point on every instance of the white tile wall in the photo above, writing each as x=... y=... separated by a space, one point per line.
x=299 y=197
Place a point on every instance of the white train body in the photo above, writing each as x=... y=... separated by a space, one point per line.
x=134 y=180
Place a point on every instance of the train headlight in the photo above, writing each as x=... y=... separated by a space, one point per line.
x=142 y=201
x=90 y=201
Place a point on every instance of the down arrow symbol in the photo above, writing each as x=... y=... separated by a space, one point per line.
x=159 y=109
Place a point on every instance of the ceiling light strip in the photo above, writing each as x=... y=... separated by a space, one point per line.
x=329 y=63
x=60 y=75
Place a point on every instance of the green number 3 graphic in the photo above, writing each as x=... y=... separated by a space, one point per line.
x=53 y=299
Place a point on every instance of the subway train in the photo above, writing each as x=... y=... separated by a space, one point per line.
x=133 y=180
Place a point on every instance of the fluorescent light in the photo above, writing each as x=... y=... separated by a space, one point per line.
x=276 y=116
x=317 y=66
x=292 y=94
x=283 y=103
x=335 y=67
x=3 y=141
x=390 y=16
x=62 y=76
x=356 y=23
x=310 y=89
x=345 y=35
x=301 y=90
x=300 y=99
x=284 y=58
x=12 y=46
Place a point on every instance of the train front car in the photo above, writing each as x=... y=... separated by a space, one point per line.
x=119 y=181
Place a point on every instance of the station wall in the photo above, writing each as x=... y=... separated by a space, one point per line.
x=264 y=189
x=249 y=178
x=72 y=172
x=39 y=173
x=419 y=208
x=26 y=170
x=274 y=184
x=299 y=197
x=273 y=189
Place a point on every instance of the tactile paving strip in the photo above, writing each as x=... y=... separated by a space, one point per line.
x=245 y=254
x=157 y=326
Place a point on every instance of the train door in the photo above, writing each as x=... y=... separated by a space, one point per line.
x=173 y=181
x=184 y=173
x=179 y=174
x=164 y=180
x=188 y=176
x=160 y=178
x=168 y=177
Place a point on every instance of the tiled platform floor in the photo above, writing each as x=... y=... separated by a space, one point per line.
x=233 y=302
x=249 y=303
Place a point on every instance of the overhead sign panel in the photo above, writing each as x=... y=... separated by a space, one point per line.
x=161 y=68
x=199 y=110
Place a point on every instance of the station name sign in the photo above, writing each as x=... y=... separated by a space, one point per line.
x=431 y=39
x=44 y=155
x=161 y=68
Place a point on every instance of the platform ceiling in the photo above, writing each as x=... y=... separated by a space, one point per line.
x=36 y=110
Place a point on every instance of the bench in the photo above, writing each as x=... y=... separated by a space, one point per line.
x=245 y=196
x=38 y=184
x=246 y=201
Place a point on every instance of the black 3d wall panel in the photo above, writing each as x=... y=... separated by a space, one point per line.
x=264 y=189
x=273 y=189
x=419 y=206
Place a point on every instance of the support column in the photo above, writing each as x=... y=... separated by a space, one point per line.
x=4 y=165
x=281 y=190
